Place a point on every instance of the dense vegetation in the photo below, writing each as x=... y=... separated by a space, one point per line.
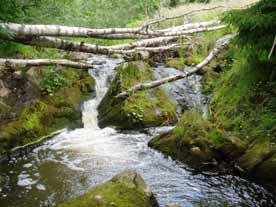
x=245 y=100
x=95 y=13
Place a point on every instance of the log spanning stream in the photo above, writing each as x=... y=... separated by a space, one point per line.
x=74 y=161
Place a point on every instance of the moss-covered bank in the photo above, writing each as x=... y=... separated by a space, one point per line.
x=242 y=117
x=29 y=111
x=127 y=189
x=199 y=143
x=142 y=109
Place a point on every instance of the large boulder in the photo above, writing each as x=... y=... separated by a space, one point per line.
x=198 y=143
x=259 y=161
x=127 y=189
x=142 y=109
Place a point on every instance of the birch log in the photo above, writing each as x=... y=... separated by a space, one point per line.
x=220 y=45
x=110 y=33
x=58 y=30
x=14 y=63
x=68 y=45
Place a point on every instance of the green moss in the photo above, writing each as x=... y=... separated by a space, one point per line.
x=141 y=109
x=196 y=140
x=48 y=113
x=255 y=155
x=177 y=63
x=120 y=191
x=266 y=170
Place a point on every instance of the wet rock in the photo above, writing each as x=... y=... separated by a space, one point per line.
x=127 y=189
x=196 y=142
x=265 y=171
x=185 y=93
x=255 y=155
x=142 y=109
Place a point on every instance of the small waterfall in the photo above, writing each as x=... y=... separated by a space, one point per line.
x=102 y=74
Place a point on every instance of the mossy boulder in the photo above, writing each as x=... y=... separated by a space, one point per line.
x=196 y=141
x=255 y=155
x=127 y=189
x=265 y=171
x=142 y=109
x=259 y=162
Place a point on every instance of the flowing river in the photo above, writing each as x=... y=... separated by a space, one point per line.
x=75 y=160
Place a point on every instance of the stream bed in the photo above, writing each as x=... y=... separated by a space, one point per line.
x=75 y=160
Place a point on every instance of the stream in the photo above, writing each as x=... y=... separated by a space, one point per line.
x=75 y=160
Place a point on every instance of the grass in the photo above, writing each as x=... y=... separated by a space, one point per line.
x=244 y=100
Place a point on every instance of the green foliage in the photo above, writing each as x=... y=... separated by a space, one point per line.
x=52 y=81
x=206 y=43
x=257 y=29
x=192 y=125
x=244 y=99
x=94 y=13
x=216 y=136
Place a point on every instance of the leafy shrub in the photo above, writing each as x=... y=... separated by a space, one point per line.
x=52 y=81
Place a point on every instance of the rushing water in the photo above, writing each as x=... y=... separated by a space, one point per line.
x=74 y=161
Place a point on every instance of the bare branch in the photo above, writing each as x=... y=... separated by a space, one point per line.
x=221 y=44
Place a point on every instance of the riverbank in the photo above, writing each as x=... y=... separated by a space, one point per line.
x=34 y=102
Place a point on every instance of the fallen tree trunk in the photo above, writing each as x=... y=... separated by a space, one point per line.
x=190 y=26
x=149 y=49
x=58 y=30
x=221 y=44
x=14 y=63
x=68 y=45
x=163 y=40
x=112 y=33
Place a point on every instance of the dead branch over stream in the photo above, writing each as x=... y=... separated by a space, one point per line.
x=220 y=45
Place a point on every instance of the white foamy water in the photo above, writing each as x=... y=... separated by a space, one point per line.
x=74 y=161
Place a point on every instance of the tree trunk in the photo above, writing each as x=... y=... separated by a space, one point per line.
x=58 y=30
x=14 y=63
x=110 y=33
x=221 y=44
